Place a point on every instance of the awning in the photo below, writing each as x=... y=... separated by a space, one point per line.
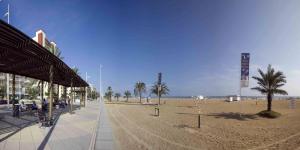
x=21 y=55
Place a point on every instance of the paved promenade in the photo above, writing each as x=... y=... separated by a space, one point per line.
x=74 y=131
x=71 y=132
x=104 y=138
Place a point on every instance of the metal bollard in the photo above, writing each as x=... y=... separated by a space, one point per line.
x=198 y=120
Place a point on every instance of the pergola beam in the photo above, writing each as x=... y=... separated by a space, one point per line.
x=20 y=55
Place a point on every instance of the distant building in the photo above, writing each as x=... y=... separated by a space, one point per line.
x=41 y=38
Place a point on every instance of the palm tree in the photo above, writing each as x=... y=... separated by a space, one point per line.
x=139 y=89
x=2 y=91
x=269 y=84
x=109 y=93
x=164 y=90
x=57 y=53
x=127 y=95
x=32 y=89
x=117 y=95
x=76 y=70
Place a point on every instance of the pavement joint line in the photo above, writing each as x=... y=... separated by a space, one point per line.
x=95 y=129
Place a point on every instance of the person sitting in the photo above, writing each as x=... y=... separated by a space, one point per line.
x=23 y=107
x=34 y=106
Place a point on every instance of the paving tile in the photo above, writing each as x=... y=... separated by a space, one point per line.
x=104 y=140
x=72 y=131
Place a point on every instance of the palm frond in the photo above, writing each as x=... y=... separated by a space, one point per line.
x=280 y=91
x=270 y=82
x=164 y=89
x=261 y=90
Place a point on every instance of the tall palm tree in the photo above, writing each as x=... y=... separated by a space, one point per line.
x=269 y=84
x=109 y=93
x=57 y=53
x=139 y=89
x=164 y=90
x=117 y=95
x=76 y=71
x=127 y=95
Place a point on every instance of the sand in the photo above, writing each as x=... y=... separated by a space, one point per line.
x=136 y=127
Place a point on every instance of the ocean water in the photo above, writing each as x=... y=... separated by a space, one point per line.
x=226 y=97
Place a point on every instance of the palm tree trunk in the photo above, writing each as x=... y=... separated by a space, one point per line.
x=269 y=102
x=127 y=99
x=140 y=97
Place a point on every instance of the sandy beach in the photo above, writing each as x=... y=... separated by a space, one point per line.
x=136 y=127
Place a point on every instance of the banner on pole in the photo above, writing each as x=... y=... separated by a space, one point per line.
x=159 y=79
x=245 y=60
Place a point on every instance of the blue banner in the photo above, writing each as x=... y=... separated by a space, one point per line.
x=245 y=60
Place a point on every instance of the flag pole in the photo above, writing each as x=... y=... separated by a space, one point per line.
x=100 y=88
x=7 y=75
x=8 y=14
x=86 y=90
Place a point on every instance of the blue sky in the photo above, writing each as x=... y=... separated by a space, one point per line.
x=196 y=44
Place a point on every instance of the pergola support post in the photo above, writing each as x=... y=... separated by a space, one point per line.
x=65 y=94
x=50 y=93
x=81 y=96
x=14 y=87
x=72 y=97
x=42 y=91
x=57 y=91
x=85 y=98
x=7 y=88
x=15 y=109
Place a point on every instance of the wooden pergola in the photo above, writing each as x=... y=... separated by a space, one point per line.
x=20 y=55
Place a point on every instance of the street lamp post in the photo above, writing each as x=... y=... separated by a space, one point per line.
x=100 y=86
x=86 y=79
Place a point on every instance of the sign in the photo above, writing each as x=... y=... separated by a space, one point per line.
x=245 y=60
x=159 y=79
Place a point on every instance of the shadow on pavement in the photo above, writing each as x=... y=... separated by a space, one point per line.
x=11 y=125
x=47 y=137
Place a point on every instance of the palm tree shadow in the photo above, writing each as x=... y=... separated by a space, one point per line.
x=234 y=115
x=192 y=114
x=180 y=126
x=122 y=103
x=187 y=106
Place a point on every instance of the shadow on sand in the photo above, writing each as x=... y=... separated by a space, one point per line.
x=130 y=103
x=180 y=126
x=188 y=106
x=191 y=114
x=234 y=115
